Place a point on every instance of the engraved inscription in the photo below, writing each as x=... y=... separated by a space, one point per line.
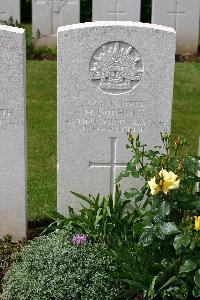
x=111 y=115
x=116 y=67
x=112 y=164
x=7 y=118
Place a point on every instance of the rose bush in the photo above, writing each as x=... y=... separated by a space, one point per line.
x=167 y=226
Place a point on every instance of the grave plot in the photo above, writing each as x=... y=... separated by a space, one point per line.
x=112 y=77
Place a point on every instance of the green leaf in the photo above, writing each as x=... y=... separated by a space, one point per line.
x=169 y=282
x=57 y=216
x=168 y=228
x=192 y=246
x=83 y=197
x=135 y=174
x=98 y=217
x=132 y=164
x=177 y=242
x=188 y=266
x=196 y=292
x=185 y=240
x=164 y=209
x=121 y=175
x=181 y=240
x=131 y=193
x=147 y=236
x=197 y=278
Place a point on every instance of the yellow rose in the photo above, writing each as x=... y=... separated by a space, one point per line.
x=197 y=223
x=153 y=186
x=169 y=181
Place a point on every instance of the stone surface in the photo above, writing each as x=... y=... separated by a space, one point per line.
x=116 y=10
x=10 y=8
x=183 y=16
x=48 y=15
x=112 y=77
x=12 y=133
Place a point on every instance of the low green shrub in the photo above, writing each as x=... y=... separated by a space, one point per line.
x=105 y=219
x=52 y=267
x=8 y=254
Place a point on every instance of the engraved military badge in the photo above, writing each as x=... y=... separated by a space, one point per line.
x=116 y=67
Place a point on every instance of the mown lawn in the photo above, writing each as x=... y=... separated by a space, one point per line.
x=41 y=110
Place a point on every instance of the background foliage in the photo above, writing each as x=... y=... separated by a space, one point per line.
x=26 y=11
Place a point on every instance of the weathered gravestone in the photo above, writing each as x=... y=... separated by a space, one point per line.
x=112 y=77
x=12 y=133
x=8 y=9
x=116 y=10
x=48 y=15
x=183 y=16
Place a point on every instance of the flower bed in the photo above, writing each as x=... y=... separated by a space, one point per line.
x=111 y=251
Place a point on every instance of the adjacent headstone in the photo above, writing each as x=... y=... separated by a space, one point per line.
x=48 y=15
x=12 y=133
x=8 y=9
x=112 y=77
x=116 y=10
x=183 y=16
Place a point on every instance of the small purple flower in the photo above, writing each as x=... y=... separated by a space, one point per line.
x=80 y=239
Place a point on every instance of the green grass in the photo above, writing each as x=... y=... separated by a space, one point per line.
x=186 y=105
x=41 y=109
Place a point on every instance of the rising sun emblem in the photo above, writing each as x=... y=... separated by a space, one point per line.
x=116 y=67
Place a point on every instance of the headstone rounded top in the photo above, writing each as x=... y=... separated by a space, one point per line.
x=12 y=29
x=116 y=24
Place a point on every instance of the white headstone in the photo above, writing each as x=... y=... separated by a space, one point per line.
x=112 y=77
x=12 y=133
x=10 y=8
x=48 y=15
x=183 y=16
x=116 y=10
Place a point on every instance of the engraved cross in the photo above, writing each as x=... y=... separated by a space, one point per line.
x=176 y=13
x=57 y=4
x=113 y=165
x=116 y=12
x=3 y=16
